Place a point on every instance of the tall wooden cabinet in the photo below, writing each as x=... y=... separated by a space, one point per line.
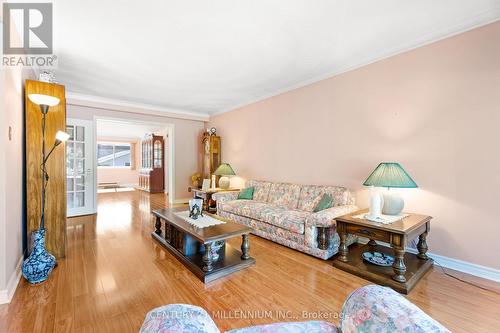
x=152 y=174
x=55 y=211
x=211 y=154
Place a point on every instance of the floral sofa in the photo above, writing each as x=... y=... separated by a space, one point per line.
x=283 y=213
x=368 y=309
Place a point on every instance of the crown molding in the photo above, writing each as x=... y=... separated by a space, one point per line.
x=97 y=102
x=487 y=17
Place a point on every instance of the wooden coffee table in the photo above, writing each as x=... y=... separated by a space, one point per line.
x=184 y=241
x=407 y=269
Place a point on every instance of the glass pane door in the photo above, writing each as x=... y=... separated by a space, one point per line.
x=158 y=154
x=79 y=166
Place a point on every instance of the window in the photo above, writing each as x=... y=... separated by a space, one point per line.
x=113 y=155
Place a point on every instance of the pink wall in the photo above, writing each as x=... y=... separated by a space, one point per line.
x=11 y=168
x=436 y=110
x=11 y=174
x=122 y=176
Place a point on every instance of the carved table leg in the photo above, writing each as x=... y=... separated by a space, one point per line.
x=343 y=250
x=422 y=247
x=207 y=260
x=168 y=232
x=158 y=226
x=245 y=247
x=399 y=265
x=323 y=238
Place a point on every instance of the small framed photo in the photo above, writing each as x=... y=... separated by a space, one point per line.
x=206 y=184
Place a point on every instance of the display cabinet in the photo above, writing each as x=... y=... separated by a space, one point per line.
x=152 y=174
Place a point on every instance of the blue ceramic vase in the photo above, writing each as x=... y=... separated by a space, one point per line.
x=37 y=267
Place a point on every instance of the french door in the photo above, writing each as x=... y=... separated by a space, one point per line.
x=80 y=167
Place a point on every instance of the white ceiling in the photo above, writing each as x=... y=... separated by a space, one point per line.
x=113 y=129
x=206 y=57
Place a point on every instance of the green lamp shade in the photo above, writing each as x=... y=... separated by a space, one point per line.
x=224 y=170
x=390 y=175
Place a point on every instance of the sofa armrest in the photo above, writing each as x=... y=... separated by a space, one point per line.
x=225 y=196
x=380 y=309
x=325 y=218
x=178 y=318
x=222 y=197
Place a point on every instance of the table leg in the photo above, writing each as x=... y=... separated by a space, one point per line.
x=158 y=226
x=323 y=238
x=343 y=250
x=245 y=247
x=422 y=246
x=205 y=205
x=399 y=265
x=207 y=260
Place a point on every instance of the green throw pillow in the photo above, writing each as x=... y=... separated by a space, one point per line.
x=246 y=193
x=325 y=202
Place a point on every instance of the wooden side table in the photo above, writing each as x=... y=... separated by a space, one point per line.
x=407 y=269
x=206 y=195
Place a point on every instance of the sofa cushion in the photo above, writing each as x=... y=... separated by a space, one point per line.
x=242 y=207
x=261 y=190
x=282 y=194
x=267 y=230
x=291 y=220
x=246 y=193
x=325 y=203
x=309 y=205
x=309 y=195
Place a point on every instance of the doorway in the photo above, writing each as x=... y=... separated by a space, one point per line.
x=112 y=154
x=133 y=132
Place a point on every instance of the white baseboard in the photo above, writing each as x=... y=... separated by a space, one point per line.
x=7 y=294
x=182 y=201
x=484 y=272
x=464 y=266
x=133 y=185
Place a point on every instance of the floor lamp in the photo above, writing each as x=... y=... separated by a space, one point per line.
x=37 y=267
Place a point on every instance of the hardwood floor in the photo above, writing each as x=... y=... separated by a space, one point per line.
x=114 y=273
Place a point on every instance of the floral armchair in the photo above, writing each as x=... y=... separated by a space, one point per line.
x=368 y=309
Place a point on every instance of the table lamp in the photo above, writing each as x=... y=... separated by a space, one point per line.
x=224 y=170
x=390 y=175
